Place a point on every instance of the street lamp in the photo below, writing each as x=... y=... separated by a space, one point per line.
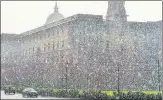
x=118 y=82
x=67 y=75
x=158 y=73
x=159 y=88
x=118 y=70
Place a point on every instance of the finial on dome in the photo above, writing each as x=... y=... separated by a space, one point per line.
x=56 y=7
x=55 y=16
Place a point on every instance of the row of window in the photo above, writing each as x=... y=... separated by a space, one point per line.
x=47 y=47
x=40 y=35
x=60 y=44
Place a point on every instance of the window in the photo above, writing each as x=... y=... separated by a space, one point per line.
x=90 y=39
x=107 y=44
x=52 y=58
x=36 y=37
x=58 y=44
x=53 y=45
x=44 y=48
x=62 y=43
x=33 y=50
x=45 y=60
x=61 y=30
x=80 y=36
x=84 y=39
x=38 y=51
x=97 y=40
x=29 y=50
x=48 y=46
x=100 y=38
x=57 y=32
x=40 y=37
x=49 y=34
x=33 y=38
x=46 y=35
x=29 y=39
x=26 y=52
x=53 y=32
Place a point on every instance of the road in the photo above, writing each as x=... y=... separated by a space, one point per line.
x=19 y=96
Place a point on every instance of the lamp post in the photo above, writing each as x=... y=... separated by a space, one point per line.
x=118 y=70
x=66 y=76
x=159 y=88
x=118 y=82
x=42 y=75
x=15 y=72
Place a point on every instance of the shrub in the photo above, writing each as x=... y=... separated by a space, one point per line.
x=73 y=93
x=19 y=89
x=95 y=95
x=49 y=92
x=61 y=93
x=122 y=96
x=42 y=92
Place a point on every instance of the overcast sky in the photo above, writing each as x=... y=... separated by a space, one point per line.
x=21 y=16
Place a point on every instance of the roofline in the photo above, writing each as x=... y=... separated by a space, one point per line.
x=59 y=22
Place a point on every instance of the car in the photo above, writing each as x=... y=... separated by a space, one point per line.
x=9 y=90
x=29 y=92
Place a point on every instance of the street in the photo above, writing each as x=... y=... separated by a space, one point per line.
x=19 y=96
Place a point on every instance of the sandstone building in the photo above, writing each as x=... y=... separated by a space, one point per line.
x=85 y=51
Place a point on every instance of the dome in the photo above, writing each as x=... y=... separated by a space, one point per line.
x=55 y=16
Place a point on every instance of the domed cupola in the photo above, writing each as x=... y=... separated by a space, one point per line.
x=55 y=16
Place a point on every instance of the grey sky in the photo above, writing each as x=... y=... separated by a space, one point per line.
x=21 y=16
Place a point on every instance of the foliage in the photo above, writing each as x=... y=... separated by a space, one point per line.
x=59 y=92
x=121 y=96
x=73 y=93
x=96 y=95
x=111 y=93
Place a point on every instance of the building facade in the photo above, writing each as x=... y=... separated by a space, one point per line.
x=85 y=51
